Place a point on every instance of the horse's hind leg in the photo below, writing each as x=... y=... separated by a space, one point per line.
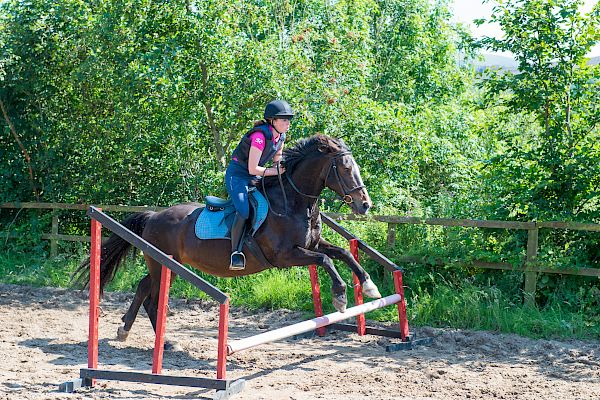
x=151 y=302
x=141 y=294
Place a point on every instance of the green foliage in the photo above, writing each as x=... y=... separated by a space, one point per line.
x=546 y=123
x=414 y=49
x=34 y=269
x=488 y=309
x=107 y=95
x=548 y=166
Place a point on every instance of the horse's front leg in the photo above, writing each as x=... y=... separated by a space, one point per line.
x=301 y=256
x=337 y=253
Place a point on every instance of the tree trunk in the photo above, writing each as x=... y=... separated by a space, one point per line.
x=211 y=120
x=23 y=150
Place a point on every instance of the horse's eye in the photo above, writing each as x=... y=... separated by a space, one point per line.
x=347 y=166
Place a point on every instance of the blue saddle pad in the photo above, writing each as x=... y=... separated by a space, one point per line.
x=217 y=224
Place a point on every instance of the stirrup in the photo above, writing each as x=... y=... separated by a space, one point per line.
x=237 y=267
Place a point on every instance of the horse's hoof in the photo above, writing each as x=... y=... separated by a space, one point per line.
x=170 y=312
x=340 y=303
x=122 y=334
x=370 y=290
x=172 y=346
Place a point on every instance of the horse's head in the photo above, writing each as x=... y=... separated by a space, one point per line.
x=321 y=161
x=342 y=175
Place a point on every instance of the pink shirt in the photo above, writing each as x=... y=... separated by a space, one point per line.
x=257 y=139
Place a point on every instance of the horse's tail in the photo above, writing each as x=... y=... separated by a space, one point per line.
x=114 y=250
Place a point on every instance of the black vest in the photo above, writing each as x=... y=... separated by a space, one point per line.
x=242 y=150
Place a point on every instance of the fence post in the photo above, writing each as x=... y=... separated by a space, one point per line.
x=54 y=240
x=361 y=326
x=530 y=276
x=95 y=250
x=391 y=234
x=161 y=319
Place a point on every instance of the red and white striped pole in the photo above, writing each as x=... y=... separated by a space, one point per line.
x=361 y=326
x=95 y=250
x=316 y=295
x=161 y=320
x=306 y=326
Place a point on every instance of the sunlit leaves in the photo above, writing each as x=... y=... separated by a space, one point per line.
x=555 y=171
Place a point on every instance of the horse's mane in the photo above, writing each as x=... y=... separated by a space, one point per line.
x=305 y=148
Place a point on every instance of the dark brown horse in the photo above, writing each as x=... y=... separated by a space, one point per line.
x=290 y=235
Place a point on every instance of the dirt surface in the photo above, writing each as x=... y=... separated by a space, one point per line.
x=43 y=342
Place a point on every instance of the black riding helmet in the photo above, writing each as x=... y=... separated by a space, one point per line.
x=278 y=109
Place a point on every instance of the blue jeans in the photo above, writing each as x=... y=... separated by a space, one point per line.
x=237 y=186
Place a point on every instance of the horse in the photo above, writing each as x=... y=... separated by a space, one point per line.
x=290 y=235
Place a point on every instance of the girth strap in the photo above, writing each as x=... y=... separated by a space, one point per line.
x=254 y=248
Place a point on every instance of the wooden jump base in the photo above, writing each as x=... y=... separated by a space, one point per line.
x=89 y=375
x=408 y=341
x=225 y=387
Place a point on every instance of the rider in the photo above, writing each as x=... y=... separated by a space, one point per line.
x=263 y=143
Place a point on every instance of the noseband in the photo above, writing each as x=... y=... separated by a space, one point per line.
x=347 y=198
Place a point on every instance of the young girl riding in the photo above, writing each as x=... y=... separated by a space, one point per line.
x=261 y=144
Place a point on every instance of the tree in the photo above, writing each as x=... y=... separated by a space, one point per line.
x=141 y=102
x=552 y=173
x=415 y=52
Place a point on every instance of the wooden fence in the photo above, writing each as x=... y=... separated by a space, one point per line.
x=530 y=267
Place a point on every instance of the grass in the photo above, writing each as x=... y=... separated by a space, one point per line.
x=477 y=308
x=445 y=304
x=271 y=289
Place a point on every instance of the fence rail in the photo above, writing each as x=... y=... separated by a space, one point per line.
x=82 y=207
x=530 y=267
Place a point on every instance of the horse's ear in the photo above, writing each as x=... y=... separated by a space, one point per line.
x=323 y=148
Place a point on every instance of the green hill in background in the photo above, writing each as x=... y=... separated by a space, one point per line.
x=509 y=63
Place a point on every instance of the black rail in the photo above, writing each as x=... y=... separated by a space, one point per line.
x=371 y=252
x=127 y=376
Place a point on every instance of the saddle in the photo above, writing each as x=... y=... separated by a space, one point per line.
x=215 y=220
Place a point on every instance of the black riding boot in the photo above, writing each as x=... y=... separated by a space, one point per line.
x=238 y=260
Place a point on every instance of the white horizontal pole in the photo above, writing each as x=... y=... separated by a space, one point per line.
x=306 y=326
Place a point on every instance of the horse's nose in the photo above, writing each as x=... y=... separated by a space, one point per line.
x=366 y=205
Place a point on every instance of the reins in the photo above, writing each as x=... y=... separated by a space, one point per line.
x=282 y=190
x=333 y=165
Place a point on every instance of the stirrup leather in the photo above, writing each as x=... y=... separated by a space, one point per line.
x=237 y=267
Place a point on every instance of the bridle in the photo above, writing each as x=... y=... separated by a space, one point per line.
x=347 y=191
x=347 y=198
